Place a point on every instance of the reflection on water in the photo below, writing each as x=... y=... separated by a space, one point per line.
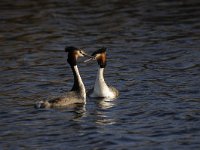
x=103 y=117
x=105 y=121
x=153 y=60
x=105 y=103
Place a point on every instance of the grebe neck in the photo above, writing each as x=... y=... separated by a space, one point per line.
x=100 y=82
x=100 y=74
x=78 y=83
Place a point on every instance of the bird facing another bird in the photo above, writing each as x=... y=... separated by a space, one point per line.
x=77 y=95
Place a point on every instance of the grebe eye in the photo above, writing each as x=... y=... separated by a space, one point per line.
x=81 y=52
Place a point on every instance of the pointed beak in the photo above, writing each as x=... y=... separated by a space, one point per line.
x=84 y=53
x=91 y=58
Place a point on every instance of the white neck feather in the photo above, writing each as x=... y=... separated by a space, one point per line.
x=100 y=88
x=80 y=82
x=100 y=77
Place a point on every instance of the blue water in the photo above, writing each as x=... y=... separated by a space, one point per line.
x=153 y=60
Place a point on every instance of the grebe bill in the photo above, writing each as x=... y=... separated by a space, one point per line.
x=77 y=95
x=101 y=89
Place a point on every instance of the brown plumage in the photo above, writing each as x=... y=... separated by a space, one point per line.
x=77 y=95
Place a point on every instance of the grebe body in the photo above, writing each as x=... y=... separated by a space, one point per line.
x=101 y=89
x=77 y=95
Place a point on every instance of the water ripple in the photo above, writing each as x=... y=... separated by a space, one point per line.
x=153 y=60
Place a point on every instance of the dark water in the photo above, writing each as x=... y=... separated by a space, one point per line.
x=153 y=60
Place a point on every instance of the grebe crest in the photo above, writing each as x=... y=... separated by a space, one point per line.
x=101 y=89
x=77 y=95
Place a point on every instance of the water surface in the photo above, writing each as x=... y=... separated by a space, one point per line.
x=153 y=60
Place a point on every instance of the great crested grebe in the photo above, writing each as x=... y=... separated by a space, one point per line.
x=101 y=89
x=77 y=95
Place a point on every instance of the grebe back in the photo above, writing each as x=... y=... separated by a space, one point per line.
x=101 y=89
x=77 y=95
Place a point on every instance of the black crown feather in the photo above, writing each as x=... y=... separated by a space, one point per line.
x=70 y=49
x=101 y=50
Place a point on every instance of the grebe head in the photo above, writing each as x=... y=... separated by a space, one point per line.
x=73 y=54
x=100 y=56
